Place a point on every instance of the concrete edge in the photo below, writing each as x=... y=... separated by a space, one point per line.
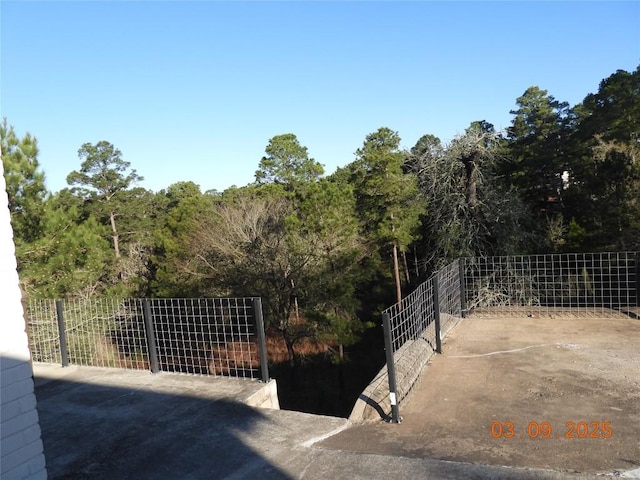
x=266 y=397
x=374 y=404
x=262 y=395
x=634 y=473
x=368 y=405
x=320 y=438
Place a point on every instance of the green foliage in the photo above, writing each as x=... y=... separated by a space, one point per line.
x=576 y=235
x=72 y=259
x=103 y=173
x=183 y=205
x=25 y=184
x=102 y=176
x=325 y=222
x=318 y=250
x=287 y=163
x=427 y=148
x=298 y=251
x=388 y=200
x=138 y=213
x=104 y=181
x=604 y=184
x=537 y=143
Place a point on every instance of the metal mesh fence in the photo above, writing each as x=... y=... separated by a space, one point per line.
x=413 y=318
x=585 y=284
x=449 y=297
x=102 y=332
x=97 y=332
x=199 y=336
x=206 y=336
x=415 y=327
x=42 y=325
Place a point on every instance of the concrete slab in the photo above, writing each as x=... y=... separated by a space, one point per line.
x=579 y=377
x=115 y=424
x=192 y=385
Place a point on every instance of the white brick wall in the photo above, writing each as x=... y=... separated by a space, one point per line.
x=21 y=451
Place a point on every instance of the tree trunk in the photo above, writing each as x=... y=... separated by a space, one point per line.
x=396 y=267
x=340 y=366
x=116 y=239
x=295 y=301
x=290 y=351
x=405 y=264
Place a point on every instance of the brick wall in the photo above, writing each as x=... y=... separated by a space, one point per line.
x=21 y=451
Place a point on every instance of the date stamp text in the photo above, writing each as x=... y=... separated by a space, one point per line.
x=581 y=429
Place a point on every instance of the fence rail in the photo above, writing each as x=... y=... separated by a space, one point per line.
x=586 y=284
x=205 y=336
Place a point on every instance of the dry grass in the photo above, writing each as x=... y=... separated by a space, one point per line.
x=228 y=359
x=277 y=349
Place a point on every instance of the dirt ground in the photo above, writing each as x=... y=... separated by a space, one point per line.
x=532 y=382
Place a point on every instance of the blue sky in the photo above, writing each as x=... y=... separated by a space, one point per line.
x=195 y=90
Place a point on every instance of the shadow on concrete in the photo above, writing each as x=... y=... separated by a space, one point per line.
x=632 y=312
x=376 y=406
x=94 y=428
x=93 y=431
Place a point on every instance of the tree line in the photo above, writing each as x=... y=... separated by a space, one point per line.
x=327 y=252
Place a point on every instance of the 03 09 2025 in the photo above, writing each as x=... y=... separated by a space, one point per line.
x=546 y=430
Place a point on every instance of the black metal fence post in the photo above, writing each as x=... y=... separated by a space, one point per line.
x=436 y=311
x=391 y=368
x=64 y=357
x=151 y=337
x=262 y=341
x=463 y=291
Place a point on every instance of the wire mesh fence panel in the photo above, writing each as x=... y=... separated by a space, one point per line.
x=42 y=329
x=450 y=305
x=105 y=332
x=588 y=284
x=584 y=284
x=200 y=336
x=411 y=328
x=206 y=336
x=413 y=318
x=413 y=325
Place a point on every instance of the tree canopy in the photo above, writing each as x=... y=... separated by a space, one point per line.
x=326 y=253
x=287 y=163
x=25 y=183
